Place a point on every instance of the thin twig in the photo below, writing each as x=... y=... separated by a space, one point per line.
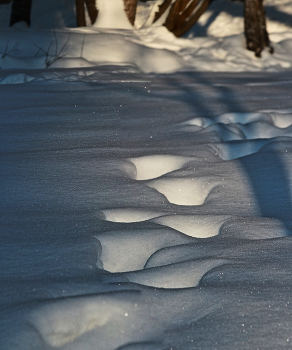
x=50 y=59
x=82 y=46
x=56 y=41
x=63 y=47
x=6 y=49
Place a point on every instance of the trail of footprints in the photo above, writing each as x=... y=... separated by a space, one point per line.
x=155 y=257
x=181 y=252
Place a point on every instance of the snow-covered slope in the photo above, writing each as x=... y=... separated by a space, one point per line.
x=216 y=43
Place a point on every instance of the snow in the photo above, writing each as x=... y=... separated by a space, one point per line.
x=129 y=215
x=111 y=14
x=216 y=43
x=146 y=185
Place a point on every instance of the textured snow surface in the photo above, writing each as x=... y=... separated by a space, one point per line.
x=145 y=212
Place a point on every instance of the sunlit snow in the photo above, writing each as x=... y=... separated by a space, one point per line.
x=216 y=43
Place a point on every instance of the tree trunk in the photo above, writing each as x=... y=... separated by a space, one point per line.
x=92 y=11
x=256 y=34
x=80 y=13
x=20 y=11
x=175 y=13
x=162 y=8
x=130 y=9
x=188 y=21
x=182 y=15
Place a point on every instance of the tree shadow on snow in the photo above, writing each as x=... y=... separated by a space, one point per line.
x=212 y=94
x=235 y=10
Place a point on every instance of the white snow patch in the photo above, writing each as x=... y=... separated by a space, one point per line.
x=153 y=166
x=184 y=191
x=199 y=226
x=128 y=215
x=111 y=14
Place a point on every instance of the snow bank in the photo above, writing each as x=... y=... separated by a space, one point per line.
x=216 y=43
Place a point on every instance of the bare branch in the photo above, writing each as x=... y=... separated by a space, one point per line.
x=6 y=52
x=50 y=59
x=82 y=45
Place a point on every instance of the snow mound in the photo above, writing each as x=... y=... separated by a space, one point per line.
x=176 y=275
x=17 y=78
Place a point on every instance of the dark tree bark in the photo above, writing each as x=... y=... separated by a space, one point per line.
x=162 y=8
x=92 y=10
x=20 y=11
x=174 y=18
x=130 y=9
x=182 y=15
x=80 y=13
x=256 y=34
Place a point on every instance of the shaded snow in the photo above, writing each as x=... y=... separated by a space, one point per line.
x=145 y=211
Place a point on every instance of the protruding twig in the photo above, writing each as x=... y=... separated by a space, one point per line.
x=6 y=52
x=50 y=59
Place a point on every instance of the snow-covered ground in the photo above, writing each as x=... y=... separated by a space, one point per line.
x=145 y=211
x=216 y=43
